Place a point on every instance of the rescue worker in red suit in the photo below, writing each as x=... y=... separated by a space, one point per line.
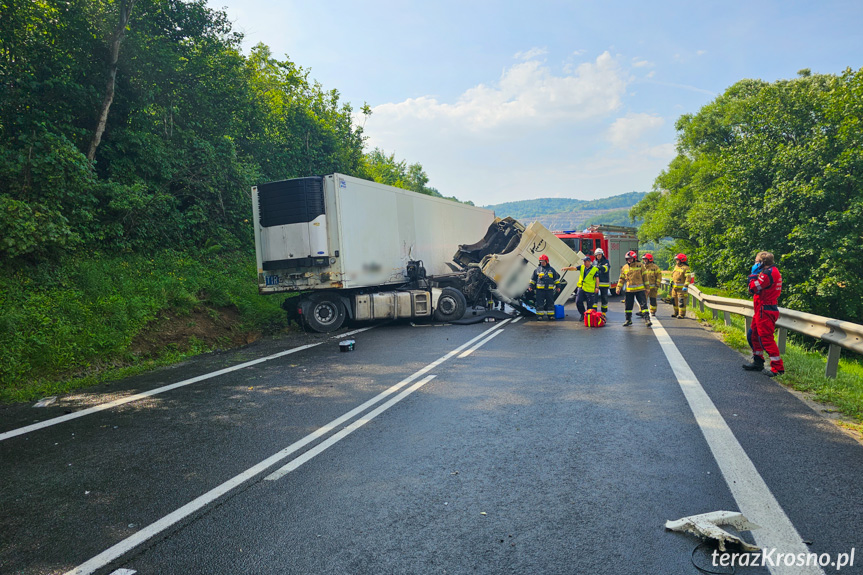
x=545 y=282
x=765 y=285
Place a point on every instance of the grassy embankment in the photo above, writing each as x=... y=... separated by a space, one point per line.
x=99 y=318
x=804 y=366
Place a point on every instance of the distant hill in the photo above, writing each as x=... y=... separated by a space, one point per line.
x=570 y=214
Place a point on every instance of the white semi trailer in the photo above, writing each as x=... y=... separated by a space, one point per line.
x=362 y=250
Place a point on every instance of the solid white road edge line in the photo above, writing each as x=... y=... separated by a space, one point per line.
x=136 y=397
x=751 y=493
x=480 y=344
x=350 y=333
x=321 y=447
x=193 y=506
x=142 y=395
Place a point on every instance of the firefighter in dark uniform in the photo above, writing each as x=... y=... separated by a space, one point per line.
x=603 y=267
x=545 y=282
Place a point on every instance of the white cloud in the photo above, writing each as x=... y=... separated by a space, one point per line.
x=535 y=132
x=530 y=54
x=666 y=152
x=624 y=132
x=640 y=63
x=579 y=52
x=701 y=52
x=527 y=95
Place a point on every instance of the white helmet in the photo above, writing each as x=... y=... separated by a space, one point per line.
x=598 y=252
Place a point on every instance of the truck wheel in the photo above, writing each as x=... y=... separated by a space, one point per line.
x=451 y=305
x=324 y=312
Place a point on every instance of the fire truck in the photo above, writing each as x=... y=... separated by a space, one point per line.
x=615 y=241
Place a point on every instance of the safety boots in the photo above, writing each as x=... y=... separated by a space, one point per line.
x=757 y=364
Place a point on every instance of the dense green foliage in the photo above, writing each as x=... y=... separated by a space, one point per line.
x=193 y=125
x=527 y=209
x=776 y=167
x=82 y=314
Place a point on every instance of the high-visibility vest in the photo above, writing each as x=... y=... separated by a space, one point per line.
x=587 y=281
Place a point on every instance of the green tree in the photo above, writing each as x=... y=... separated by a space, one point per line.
x=776 y=167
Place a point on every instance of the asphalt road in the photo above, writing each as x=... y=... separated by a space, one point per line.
x=552 y=448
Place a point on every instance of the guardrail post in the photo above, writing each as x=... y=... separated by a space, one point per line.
x=748 y=321
x=783 y=334
x=727 y=317
x=701 y=306
x=833 y=361
x=715 y=314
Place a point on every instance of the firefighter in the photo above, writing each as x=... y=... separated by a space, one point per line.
x=680 y=276
x=588 y=285
x=765 y=287
x=631 y=274
x=652 y=280
x=544 y=282
x=603 y=267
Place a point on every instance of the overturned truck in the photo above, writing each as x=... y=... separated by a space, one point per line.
x=354 y=249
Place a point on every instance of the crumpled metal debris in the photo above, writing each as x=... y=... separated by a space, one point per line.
x=46 y=401
x=707 y=526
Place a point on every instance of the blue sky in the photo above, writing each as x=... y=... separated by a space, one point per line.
x=503 y=101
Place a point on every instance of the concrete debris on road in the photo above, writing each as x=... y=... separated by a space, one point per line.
x=707 y=526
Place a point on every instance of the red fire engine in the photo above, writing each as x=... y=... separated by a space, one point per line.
x=615 y=241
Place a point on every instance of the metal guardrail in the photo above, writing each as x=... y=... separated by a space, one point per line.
x=839 y=334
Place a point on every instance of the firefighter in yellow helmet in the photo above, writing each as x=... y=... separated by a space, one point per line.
x=631 y=274
x=652 y=280
x=680 y=277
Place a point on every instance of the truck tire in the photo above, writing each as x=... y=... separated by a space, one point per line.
x=451 y=305
x=324 y=312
